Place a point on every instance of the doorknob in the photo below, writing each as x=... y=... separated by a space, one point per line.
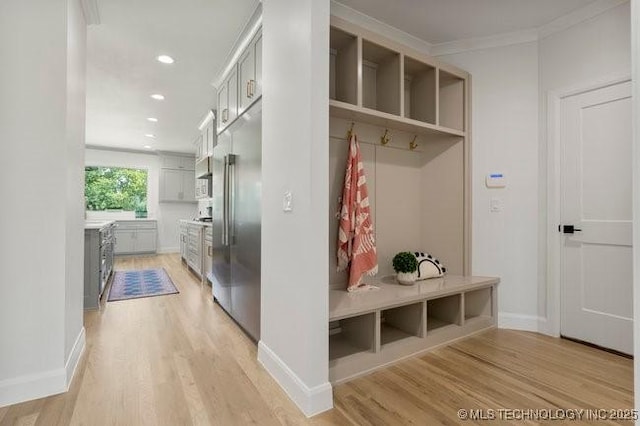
x=568 y=229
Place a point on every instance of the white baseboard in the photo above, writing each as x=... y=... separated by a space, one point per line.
x=32 y=386
x=74 y=357
x=311 y=401
x=518 y=321
x=167 y=250
x=47 y=383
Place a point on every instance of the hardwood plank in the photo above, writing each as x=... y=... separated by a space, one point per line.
x=180 y=359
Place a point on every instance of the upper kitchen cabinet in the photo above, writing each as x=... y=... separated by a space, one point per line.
x=242 y=86
x=228 y=100
x=177 y=162
x=177 y=178
x=250 y=72
x=206 y=140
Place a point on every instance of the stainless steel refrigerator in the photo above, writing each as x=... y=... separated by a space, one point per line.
x=236 y=181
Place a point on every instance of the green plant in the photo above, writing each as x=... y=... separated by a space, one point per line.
x=405 y=262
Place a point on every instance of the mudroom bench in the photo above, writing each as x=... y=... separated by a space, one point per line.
x=371 y=329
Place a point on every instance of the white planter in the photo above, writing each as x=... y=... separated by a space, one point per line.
x=407 y=278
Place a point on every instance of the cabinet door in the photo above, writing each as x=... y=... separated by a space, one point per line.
x=188 y=186
x=208 y=260
x=247 y=73
x=171 y=184
x=211 y=138
x=171 y=162
x=223 y=106
x=258 y=53
x=125 y=241
x=232 y=90
x=145 y=240
x=187 y=163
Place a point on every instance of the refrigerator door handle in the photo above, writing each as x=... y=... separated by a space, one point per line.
x=225 y=202
x=231 y=189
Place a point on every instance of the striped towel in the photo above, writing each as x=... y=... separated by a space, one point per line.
x=356 y=244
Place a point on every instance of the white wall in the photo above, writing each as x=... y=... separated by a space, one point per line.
x=76 y=93
x=504 y=132
x=294 y=318
x=595 y=51
x=167 y=214
x=41 y=128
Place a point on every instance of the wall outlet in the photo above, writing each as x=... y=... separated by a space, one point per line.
x=287 y=202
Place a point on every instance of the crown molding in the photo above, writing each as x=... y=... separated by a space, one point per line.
x=248 y=31
x=577 y=16
x=481 y=43
x=379 y=27
x=91 y=11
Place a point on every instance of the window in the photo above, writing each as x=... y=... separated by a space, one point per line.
x=116 y=188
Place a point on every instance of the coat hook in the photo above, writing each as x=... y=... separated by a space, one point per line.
x=350 y=132
x=413 y=145
x=384 y=139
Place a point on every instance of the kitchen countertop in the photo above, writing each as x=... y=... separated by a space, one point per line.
x=97 y=224
x=196 y=222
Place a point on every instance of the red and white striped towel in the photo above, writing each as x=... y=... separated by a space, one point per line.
x=356 y=243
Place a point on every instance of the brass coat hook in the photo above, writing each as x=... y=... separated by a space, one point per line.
x=413 y=145
x=385 y=139
x=350 y=132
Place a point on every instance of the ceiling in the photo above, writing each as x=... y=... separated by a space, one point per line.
x=441 y=21
x=122 y=70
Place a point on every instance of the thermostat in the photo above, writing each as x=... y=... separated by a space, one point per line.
x=496 y=180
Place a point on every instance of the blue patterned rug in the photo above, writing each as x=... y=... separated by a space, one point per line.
x=140 y=283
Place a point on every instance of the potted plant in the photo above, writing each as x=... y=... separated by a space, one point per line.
x=406 y=266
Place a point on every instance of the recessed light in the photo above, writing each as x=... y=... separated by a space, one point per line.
x=158 y=97
x=149 y=135
x=148 y=146
x=165 y=59
x=152 y=119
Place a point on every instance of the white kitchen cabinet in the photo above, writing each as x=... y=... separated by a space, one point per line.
x=228 y=100
x=208 y=254
x=250 y=74
x=135 y=236
x=177 y=162
x=177 y=185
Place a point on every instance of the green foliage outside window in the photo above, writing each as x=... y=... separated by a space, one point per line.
x=115 y=188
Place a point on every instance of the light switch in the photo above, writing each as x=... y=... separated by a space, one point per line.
x=287 y=202
x=496 y=205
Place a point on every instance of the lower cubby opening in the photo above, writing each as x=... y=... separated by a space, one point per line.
x=401 y=323
x=349 y=336
x=443 y=312
x=478 y=304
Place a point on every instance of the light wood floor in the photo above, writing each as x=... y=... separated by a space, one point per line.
x=179 y=360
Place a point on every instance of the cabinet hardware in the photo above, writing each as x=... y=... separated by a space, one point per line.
x=248 y=88
x=252 y=88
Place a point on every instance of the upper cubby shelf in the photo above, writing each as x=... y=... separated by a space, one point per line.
x=375 y=80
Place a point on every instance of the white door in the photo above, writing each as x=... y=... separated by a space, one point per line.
x=596 y=260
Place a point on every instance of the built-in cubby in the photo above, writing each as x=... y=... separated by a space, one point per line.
x=371 y=329
x=410 y=113
x=343 y=66
x=478 y=304
x=419 y=91
x=451 y=97
x=380 y=78
x=352 y=335
x=401 y=323
x=443 y=312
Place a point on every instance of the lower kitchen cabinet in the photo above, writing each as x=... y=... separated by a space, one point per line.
x=136 y=236
x=98 y=261
x=196 y=247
